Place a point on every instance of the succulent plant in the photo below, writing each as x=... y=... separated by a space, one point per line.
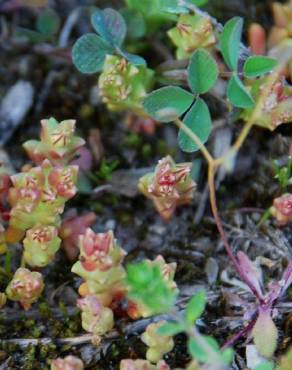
x=276 y=107
x=169 y=186
x=38 y=196
x=67 y=363
x=142 y=365
x=96 y=318
x=40 y=245
x=100 y=265
x=143 y=289
x=191 y=32
x=158 y=345
x=58 y=142
x=123 y=86
x=25 y=287
x=282 y=209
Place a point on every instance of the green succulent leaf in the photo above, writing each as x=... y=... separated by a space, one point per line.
x=110 y=25
x=197 y=119
x=237 y=93
x=168 y=103
x=202 y=71
x=170 y=329
x=256 y=66
x=265 y=366
x=147 y=286
x=89 y=53
x=133 y=59
x=48 y=22
x=230 y=41
x=196 y=307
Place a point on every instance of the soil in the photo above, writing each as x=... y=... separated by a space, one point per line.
x=190 y=238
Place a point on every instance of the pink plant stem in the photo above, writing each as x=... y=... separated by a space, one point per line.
x=234 y=338
x=211 y=174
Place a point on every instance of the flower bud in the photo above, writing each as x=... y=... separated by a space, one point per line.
x=123 y=86
x=40 y=245
x=282 y=209
x=25 y=287
x=158 y=345
x=67 y=363
x=58 y=142
x=192 y=31
x=169 y=186
x=96 y=318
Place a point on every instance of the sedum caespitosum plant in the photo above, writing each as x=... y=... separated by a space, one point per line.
x=25 y=287
x=100 y=266
x=158 y=345
x=37 y=197
x=169 y=186
x=67 y=363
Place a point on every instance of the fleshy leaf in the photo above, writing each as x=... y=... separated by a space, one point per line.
x=168 y=103
x=197 y=119
x=265 y=334
x=256 y=66
x=202 y=71
x=89 y=53
x=198 y=352
x=230 y=41
x=110 y=25
x=237 y=93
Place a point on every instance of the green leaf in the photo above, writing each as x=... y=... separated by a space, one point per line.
x=48 y=22
x=172 y=6
x=146 y=285
x=198 y=352
x=197 y=2
x=230 y=41
x=110 y=25
x=170 y=329
x=89 y=53
x=197 y=119
x=196 y=307
x=136 y=60
x=256 y=66
x=136 y=26
x=202 y=71
x=168 y=103
x=227 y=355
x=265 y=366
x=237 y=93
